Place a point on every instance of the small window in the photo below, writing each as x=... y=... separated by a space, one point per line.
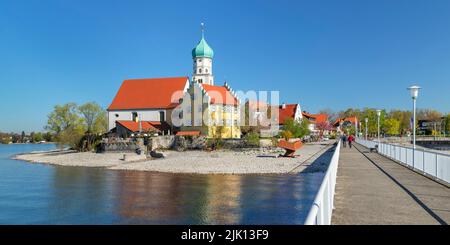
x=206 y=70
x=161 y=116
x=200 y=70
x=117 y=115
x=135 y=116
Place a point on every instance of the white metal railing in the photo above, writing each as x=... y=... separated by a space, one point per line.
x=322 y=207
x=430 y=163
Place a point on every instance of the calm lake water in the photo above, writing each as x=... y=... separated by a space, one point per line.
x=45 y=194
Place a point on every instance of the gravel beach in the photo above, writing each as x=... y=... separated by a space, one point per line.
x=257 y=161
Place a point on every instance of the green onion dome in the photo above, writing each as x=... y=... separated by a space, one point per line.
x=202 y=50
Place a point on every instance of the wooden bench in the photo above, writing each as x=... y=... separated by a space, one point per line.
x=290 y=147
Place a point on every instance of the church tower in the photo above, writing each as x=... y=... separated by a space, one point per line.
x=202 y=56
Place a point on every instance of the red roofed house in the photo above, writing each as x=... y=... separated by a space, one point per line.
x=147 y=100
x=345 y=122
x=318 y=123
x=289 y=111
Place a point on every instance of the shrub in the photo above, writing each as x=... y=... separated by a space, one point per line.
x=252 y=139
x=286 y=134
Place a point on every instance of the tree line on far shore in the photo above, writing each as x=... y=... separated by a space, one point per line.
x=77 y=126
x=394 y=122
x=33 y=137
x=82 y=126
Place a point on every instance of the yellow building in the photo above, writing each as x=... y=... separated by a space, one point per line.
x=210 y=110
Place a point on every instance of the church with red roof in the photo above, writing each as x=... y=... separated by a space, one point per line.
x=158 y=105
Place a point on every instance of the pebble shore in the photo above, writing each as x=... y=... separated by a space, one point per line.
x=256 y=161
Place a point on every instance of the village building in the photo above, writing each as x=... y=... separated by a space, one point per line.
x=146 y=100
x=212 y=111
x=318 y=123
x=286 y=111
x=345 y=122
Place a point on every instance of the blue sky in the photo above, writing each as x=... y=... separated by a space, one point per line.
x=322 y=54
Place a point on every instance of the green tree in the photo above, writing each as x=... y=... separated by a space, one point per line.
x=371 y=114
x=48 y=136
x=63 y=117
x=94 y=117
x=404 y=119
x=391 y=126
x=37 y=137
x=67 y=126
x=298 y=129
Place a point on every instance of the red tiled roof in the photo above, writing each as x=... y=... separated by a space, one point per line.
x=318 y=118
x=149 y=93
x=146 y=125
x=287 y=112
x=220 y=95
x=352 y=120
x=188 y=133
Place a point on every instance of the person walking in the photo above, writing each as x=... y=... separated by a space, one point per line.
x=344 y=140
x=350 y=140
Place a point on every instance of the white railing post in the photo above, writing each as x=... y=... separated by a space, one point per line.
x=323 y=204
x=387 y=149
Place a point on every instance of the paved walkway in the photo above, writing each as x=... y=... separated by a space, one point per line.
x=372 y=189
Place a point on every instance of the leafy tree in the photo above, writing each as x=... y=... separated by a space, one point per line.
x=298 y=129
x=48 y=137
x=447 y=123
x=37 y=137
x=94 y=117
x=372 y=126
x=63 y=117
x=391 y=126
x=67 y=126
x=71 y=136
x=404 y=119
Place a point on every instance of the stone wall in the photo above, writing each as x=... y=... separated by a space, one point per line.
x=162 y=142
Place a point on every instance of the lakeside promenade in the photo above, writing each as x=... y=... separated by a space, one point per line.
x=372 y=189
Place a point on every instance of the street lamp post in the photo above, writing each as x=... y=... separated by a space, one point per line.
x=360 y=129
x=367 y=121
x=378 y=124
x=414 y=90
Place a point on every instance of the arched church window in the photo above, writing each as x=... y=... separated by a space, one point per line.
x=200 y=70
x=206 y=70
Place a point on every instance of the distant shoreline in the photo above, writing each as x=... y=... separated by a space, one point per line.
x=258 y=161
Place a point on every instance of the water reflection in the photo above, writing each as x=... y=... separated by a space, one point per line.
x=160 y=198
x=43 y=194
